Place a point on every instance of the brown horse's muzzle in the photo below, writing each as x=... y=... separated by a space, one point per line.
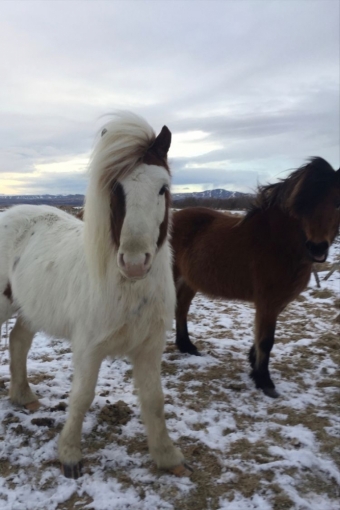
x=318 y=252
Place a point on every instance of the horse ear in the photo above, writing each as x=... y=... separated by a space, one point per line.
x=162 y=143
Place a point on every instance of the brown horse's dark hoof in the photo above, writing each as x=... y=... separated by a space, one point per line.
x=182 y=470
x=263 y=382
x=189 y=349
x=72 y=471
x=194 y=352
x=270 y=392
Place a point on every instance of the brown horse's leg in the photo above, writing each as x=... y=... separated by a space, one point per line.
x=259 y=353
x=184 y=297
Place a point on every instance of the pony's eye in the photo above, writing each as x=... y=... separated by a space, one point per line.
x=163 y=189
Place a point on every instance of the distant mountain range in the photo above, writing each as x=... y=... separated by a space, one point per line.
x=78 y=200
x=71 y=200
x=210 y=193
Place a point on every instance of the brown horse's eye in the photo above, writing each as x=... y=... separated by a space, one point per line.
x=337 y=206
x=163 y=189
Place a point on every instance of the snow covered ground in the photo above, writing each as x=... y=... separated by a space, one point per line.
x=248 y=451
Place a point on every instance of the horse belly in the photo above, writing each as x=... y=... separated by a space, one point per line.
x=225 y=280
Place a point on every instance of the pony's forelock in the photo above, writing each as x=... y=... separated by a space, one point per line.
x=121 y=145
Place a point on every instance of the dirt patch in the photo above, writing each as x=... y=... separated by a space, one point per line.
x=325 y=266
x=59 y=407
x=319 y=485
x=116 y=415
x=5 y=468
x=329 y=383
x=3 y=389
x=43 y=422
x=168 y=368
x=39 y=378
x=337 y=319
x=76 y=501
x=207 y=470
x=322 y=293
x=280 y=501
x=9 y=419
x=329 y=340
x=128 y=375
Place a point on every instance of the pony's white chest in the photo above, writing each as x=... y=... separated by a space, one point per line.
x=143 y=314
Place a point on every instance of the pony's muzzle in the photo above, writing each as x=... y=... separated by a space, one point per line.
x=317 y=251
x=134 y=267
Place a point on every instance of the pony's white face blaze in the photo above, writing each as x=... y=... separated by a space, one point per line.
x=146 y=208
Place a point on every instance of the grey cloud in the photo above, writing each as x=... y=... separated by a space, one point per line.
x=55 y=184
x=259 y=77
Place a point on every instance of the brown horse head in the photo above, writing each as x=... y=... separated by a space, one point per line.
x=315 y=200
x=311 y=194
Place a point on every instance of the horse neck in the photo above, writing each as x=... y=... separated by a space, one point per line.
x=284 y=229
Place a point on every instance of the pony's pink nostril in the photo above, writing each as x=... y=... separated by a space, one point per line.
x=121 y=260
x=147 y=259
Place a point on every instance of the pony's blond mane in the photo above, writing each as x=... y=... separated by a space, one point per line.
x=121 y=146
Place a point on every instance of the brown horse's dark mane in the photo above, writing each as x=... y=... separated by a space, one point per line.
x=299 y=192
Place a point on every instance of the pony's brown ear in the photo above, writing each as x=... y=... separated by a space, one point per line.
x=162 y=143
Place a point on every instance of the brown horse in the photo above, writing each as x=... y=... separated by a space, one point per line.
x=265 y=258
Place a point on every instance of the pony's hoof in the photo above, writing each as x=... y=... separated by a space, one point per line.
x=182 y=470
x=271 y=392
x=72 y=471
x=32 y=406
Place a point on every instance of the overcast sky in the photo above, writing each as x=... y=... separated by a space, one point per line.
x=249 y=89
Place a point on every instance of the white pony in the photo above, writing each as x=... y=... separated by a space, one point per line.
x=105 y=283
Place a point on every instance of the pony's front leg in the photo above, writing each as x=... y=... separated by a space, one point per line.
x=146 y=370
x=86 y=368
x=20 y=341
x=260 y=352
